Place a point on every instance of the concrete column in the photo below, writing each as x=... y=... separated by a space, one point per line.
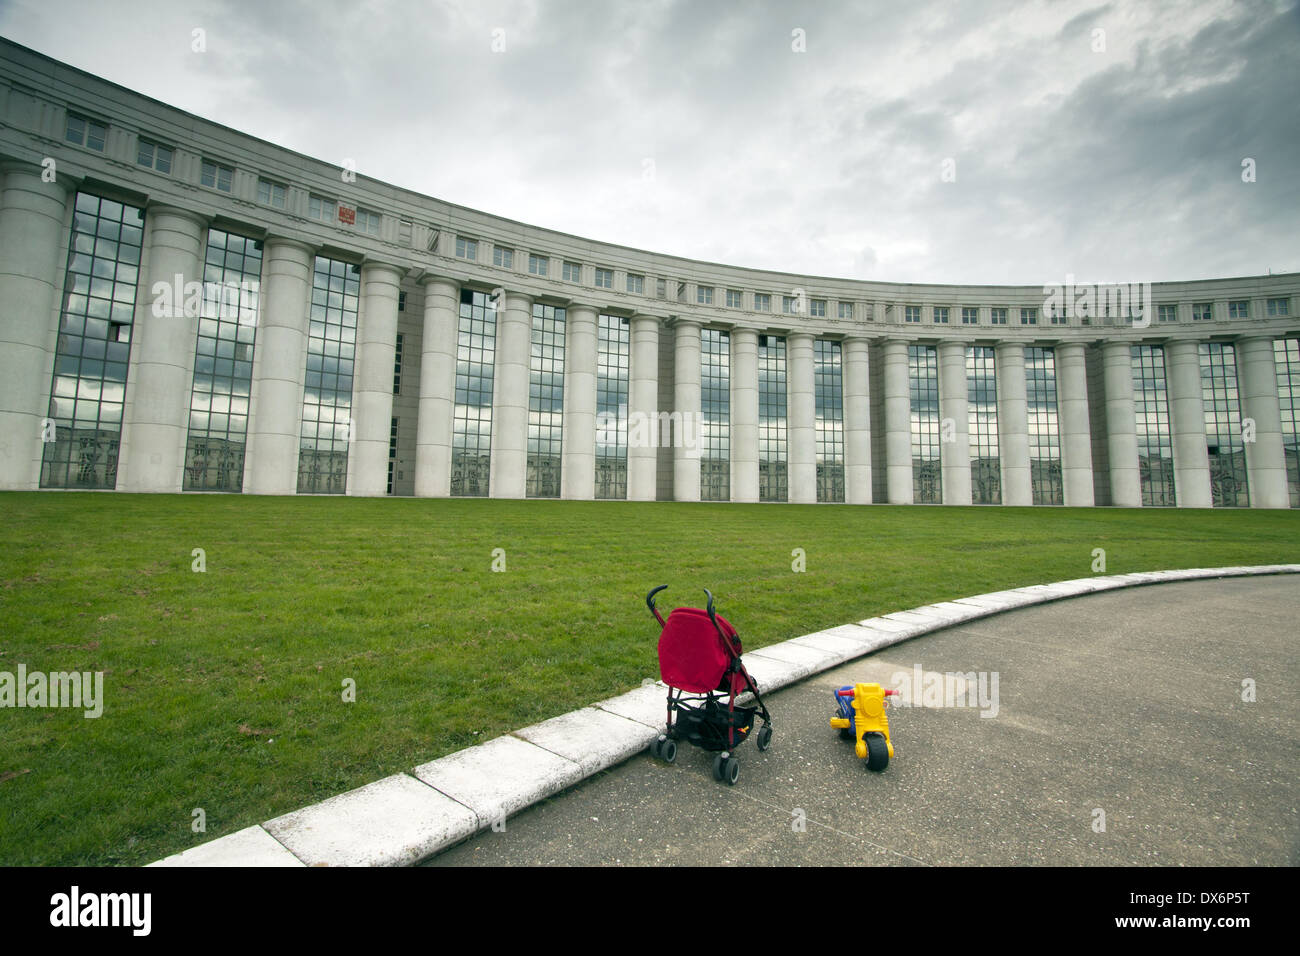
x=1076 y=430
x=744 y=415
x=578 y=474
x=33 y=247
x=1257 y=385
x=643 y=400
x=898 y=423
x=279 y=369
x=801 y=418
x=857 y=422
x=1121 y=426
x=437 y=387
x=372 y=383
x=510 y=398
x=686 y=401
x=1013 y=425
x=160 y=376
x=953 y=406
x=1187 y=422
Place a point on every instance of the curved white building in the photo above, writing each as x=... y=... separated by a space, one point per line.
x=187 y=308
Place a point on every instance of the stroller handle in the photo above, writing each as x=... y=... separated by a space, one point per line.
x=650 y=603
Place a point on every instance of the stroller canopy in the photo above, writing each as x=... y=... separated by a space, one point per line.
x=691 y=655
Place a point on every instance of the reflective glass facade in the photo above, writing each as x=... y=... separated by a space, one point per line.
x=471 y=438
x=982 y=423
x=828 y=387
x=1154 y=436
x=715 y=415
x=773 y=453
x=1223 y=438
x=89 y=385
x=327 y=397
x=223 y=364
x=1286 y=353
x=612 y=348
x=927 y=471
x=545 y=401
x=1044 y=427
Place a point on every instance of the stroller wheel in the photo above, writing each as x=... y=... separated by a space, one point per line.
x=654 y=747
x=731 y=771
x=764 y=739
x=668 y=750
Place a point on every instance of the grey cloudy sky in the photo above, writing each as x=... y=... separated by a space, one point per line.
x=695 y=128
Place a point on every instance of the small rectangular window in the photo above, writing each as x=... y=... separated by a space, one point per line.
x=1239 y=309
x=941 y=315
x=271 y=194
x=215 y=176
x=1279 y=307
x=466 y=248
x=970 y=315
x=318 y=207
x=604 y=278
x=734 y=299
x=368 y=222
x=86 y=132
x=538 y=265
x=1168 y=313
x=503 y=257
x=1028 y=316
x=636 y=284
x=817 y=307
x=703 y=295
x=1202 y=311
x=997 y=316
x=154 y=156
x=912 y=314
x=846 y=310
x=762 y=302
x=572 y=271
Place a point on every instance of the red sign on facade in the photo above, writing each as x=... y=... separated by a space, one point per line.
x=347 y=215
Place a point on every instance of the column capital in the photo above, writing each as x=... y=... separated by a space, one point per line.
x=369 y=263
x=288 y=243
x=165 y=209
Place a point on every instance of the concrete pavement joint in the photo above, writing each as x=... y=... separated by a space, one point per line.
x=409 y=817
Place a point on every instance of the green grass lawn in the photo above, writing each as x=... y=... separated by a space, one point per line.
x=224 y=688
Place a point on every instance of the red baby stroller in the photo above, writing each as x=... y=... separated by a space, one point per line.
x=699 y=655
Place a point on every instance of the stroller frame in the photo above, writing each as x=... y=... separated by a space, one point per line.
x=711 y=719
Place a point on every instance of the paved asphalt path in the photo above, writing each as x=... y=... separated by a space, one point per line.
x=1129 y=703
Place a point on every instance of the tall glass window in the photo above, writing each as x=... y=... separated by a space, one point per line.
x=1286 y=353
x=327 y=397
x=773 y=456
x=223 y=364
x=612 y=350
x=471 y=440
x=828 y=388
x=927 y=471
x=982 y=423
x=89 y=384
x=1044 y=427
x=545 y=402
x=715 y=415
x=1154 y=437
x=1223 y=439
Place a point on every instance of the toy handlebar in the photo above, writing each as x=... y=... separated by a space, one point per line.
x=848 y=692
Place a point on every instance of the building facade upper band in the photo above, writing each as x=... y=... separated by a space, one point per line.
x=188 y=308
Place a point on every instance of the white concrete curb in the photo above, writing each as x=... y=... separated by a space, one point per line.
x=406 y=818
